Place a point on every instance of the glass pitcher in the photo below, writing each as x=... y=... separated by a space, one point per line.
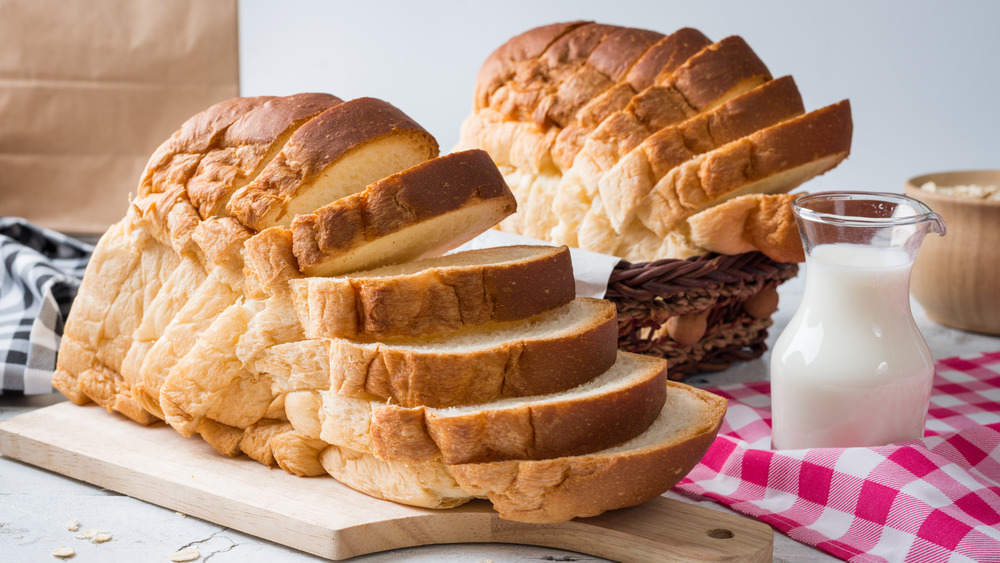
x=851 y=368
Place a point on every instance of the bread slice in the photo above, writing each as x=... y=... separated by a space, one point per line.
x=674 y=53
x=606 y=65
x=334 y=155
x=434 y=295
x=583 y=419
x=133 y=266
x=665 y=56
x=548 y=353
x=771 y=160
x=748 y=223
x=423 y=211
x=209 y=381
x=555 y=490
x=427 y=484
x=626 y=149
x=249 y=144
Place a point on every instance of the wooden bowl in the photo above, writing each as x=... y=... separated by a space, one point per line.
x=956 y=278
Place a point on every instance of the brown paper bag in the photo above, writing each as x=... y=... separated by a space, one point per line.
x=89 y=88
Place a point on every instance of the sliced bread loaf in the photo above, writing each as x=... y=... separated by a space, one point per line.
x=423 y=211
x=547 y=353
x=332 y=156
x=434 y=295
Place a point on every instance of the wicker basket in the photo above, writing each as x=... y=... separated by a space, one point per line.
x=649 y=293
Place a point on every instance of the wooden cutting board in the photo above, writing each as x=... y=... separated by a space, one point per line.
x=322 y=517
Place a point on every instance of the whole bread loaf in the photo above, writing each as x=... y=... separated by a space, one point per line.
x=277 y=288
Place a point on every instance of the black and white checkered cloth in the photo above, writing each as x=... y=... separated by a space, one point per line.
x=41 y=274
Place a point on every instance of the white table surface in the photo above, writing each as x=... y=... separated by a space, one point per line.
x=35 y=504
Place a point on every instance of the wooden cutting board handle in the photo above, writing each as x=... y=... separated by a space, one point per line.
x=322 y=517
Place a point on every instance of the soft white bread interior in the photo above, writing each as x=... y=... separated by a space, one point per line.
x=435 y=295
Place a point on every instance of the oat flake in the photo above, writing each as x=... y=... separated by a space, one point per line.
x=186 y=555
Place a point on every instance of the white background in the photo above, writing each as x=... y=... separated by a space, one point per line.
x=923 y=77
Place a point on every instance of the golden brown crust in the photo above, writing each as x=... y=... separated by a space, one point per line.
x=616 y=55
x=176 y=160
x=632 y=161
x=772 y=160
x=248 y=145
x=500 y=65
x=530 y=429
x=424 y=192
x=425 y=372
x=467 y=289
x=748 y=223
x=708 y=78
x=665 y=55
x=556 y=490
x=323 y=141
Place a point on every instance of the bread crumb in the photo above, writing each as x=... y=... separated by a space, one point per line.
x=990 y=193
x=63 y=552
x=101 y=537
x=180 y=515
x=185 y=555
x=73 y=525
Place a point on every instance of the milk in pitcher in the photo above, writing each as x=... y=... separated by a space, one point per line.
x=851 y=368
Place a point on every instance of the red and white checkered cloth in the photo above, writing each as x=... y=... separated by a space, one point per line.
x=933 y=499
